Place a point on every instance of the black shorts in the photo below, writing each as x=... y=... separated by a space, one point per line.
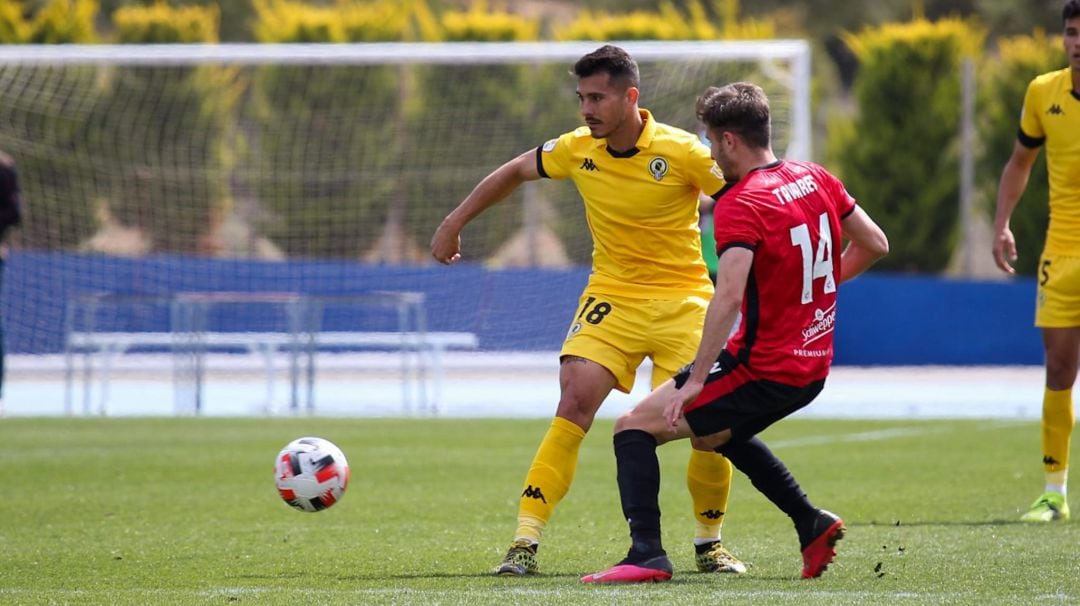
x=735 y=399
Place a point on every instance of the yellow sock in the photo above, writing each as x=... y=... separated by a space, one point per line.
x=708 y=476
x=549 y=477
x=1057 y=423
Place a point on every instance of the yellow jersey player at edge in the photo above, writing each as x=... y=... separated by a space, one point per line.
x=646 y=295
x=1051 y=117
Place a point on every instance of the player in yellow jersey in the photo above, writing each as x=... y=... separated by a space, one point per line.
x=1051 y=116
x=647 y=293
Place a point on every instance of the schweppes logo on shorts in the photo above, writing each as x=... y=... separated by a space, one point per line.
x=658 y=167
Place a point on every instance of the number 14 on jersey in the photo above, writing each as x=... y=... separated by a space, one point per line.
x=815 y=263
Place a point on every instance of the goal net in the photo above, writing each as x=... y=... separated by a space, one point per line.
x=318 y=170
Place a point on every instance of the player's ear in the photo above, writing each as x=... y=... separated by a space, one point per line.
x=632 y=94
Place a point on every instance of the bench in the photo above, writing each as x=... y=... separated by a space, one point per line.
x=421 y=352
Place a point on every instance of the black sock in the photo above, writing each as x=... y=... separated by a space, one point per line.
x=639 y=488
x=770 y=476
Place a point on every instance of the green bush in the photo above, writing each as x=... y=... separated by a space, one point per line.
x=636 y=25
x=14 y=29
x=354 y=184
x=898 y=156
x=1001 y=95
x=481 y=24
x=65 y=22
x=388 y=169
x=377 y=22
x=197 y=103
x=668 y=23
x=283 y=21
x=161 y=23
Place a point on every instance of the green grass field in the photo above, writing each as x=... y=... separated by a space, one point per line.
x=184 y=511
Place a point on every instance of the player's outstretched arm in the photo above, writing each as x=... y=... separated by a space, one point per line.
x=866 y=244
x=446 y=243
x=1014 y=179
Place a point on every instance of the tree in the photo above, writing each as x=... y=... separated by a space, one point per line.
x=898 y=156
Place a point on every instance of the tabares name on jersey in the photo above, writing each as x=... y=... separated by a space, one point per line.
x=789 y=192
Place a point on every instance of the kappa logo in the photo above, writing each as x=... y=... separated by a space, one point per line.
x=1056 y=110
x=588 y=164
x=712 y=514
x=1049 y=460
x=533 y=493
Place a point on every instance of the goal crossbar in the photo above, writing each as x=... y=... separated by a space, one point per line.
x=388 y=52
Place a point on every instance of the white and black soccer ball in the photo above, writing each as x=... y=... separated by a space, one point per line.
x=311 y=474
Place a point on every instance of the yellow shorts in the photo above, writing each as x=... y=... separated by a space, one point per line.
x=618 y=333
x=1057 y=300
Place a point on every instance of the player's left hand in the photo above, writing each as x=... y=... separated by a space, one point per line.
x=673 y=411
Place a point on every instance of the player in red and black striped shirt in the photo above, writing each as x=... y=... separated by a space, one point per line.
x=781 y=260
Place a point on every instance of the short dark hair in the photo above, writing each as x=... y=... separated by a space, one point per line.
x=620 y=67
x=1071 y=10
x=740 y=107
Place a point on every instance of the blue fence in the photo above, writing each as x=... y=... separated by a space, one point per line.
x=895 y=319
x=883 y=319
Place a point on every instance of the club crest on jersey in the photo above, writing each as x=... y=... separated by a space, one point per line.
x=658 y=167
x=549 y=145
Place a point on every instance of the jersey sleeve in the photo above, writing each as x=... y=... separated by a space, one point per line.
x=740 y=226
x=702 y=171
x=1031 y=133
x=553 y=158
x=844 y=201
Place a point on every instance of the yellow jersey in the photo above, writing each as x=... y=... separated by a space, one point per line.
x=641 y=206
x=1051 y=115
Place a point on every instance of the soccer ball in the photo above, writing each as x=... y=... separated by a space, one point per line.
x=311 y=474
